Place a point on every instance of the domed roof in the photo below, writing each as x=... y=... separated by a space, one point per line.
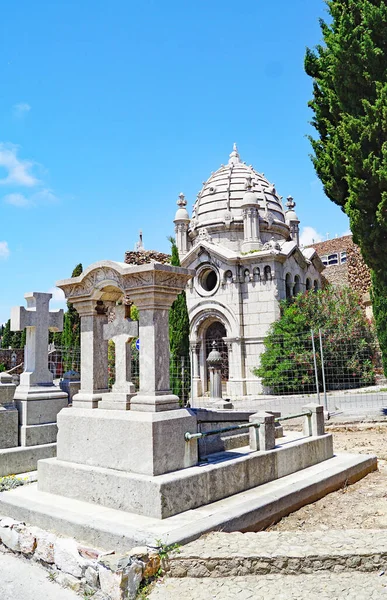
x=221 y=199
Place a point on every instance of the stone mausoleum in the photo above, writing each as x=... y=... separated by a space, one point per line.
x=244 y=247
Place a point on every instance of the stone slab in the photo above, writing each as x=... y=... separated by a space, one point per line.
x=289 y=552
x=222 y=475
x=34 y=435
x=9 y=426
x=40 y=411
x=129 y=441
x=23 y=460
x=254 y=509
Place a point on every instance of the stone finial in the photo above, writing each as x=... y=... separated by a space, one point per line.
x=290 y=203
x=248 y=184
x=181 y=201
x=139 y=247
x=234 y=156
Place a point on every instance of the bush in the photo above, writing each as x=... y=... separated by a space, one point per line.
x=349 y=344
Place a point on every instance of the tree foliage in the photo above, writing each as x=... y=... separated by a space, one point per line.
x=70 y=338
x=179 y=338
x=349 y=102
x=349 y=343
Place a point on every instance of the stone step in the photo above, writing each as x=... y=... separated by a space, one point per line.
x=324 y=585
x=288 y=553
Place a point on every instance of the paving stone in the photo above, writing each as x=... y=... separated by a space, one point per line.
x=316 y=586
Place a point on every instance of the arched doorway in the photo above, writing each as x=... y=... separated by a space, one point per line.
x=216 y=332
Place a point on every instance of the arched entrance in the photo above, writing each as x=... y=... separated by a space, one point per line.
x=216 y=332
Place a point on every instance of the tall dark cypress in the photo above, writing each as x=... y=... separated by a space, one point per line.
x=349 y=72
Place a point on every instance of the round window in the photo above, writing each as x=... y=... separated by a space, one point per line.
x=208 y=280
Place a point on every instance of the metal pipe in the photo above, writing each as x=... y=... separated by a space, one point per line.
x=323 y=372
x=306 y=413
x=197 y=436
x=315 y=366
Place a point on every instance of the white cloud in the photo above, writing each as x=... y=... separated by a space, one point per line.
x=4 y=250
x=18 y=171
x=17 y=200
x=21 y=109
x=58 y=298
x=44 y=196
x=310 y=236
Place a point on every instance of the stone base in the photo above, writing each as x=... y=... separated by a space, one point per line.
x=155 y=402
x=23 y=460
x=115 y=401
x=224 y=474
x=131 y=441
x=9 y=426
x=88 y=399
x=38 y=409
x=253 y=509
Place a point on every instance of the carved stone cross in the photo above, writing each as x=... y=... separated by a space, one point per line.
x=38 y=320
x=122 y=331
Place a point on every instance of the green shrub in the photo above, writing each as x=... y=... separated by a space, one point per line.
x=349 y=344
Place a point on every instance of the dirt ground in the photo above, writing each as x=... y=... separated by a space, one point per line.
x=362 y=505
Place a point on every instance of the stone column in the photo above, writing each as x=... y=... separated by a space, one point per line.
x=314 y=424
x=122 y=331
x=153 y=295
x=195 y=348
x=263 y=437
x=94 y=349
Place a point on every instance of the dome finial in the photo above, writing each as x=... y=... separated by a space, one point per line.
x=182 y=202
x=290 y=202
x=234 y=156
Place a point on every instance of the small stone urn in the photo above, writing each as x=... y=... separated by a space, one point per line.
x=214 y=362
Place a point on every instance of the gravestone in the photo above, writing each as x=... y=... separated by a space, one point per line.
x=8 y=413
x=121 y=331
x=37 y=399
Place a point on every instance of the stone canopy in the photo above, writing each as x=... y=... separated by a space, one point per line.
x=152 y=288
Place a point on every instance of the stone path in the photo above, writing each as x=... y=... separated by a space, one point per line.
x=317 y=586
x=291 y=553
x=24 y=580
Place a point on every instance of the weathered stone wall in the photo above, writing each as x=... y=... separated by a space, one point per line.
x=143 y=257
x=353 y=273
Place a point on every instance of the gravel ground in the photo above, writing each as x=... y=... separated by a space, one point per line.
x=362 y=505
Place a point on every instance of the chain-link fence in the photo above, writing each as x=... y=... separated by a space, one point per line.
x=342 y=372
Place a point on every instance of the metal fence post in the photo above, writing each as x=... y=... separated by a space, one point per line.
x=323 y=372
x=315 y=366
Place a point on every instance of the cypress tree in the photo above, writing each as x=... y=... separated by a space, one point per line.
x=7 y=335
x=179 y=338
x=349 y=73
x=71 y=335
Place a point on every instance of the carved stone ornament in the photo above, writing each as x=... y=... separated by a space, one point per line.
x=204 y=235
x=92 y=281
x=272 y=245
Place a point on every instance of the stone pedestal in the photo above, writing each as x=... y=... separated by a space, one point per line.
x=37 y=399
x=71 y=384
x=9 y=418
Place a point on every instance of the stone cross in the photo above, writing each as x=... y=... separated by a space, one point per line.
x=38 y=320
x=122 y=331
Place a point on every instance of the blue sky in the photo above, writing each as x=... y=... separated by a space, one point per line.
x=109 y=110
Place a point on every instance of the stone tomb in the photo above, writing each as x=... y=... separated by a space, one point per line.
x=28 y=412
x=127 y=469
x=9 y=419
x=37 y=399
